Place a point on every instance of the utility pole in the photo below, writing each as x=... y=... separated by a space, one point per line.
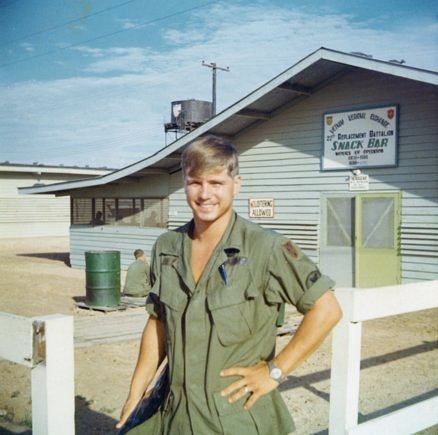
x=214 y=68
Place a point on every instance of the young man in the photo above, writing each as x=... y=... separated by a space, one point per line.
x=218 y=283
x=137 y=277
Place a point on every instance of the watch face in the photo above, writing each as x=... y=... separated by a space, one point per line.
x=276 y=373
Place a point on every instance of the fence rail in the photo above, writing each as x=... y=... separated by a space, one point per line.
x=365 y=304
x=45 y=345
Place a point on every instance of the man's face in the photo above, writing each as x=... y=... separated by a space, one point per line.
x=210 y=195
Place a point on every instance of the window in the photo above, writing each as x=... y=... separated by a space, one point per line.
x=134 y=212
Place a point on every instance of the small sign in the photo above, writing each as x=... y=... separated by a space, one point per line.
x=261 y=208
x=362 y=138
x=359 y=182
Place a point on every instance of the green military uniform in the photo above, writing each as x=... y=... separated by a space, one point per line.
x=137 y=279
x=226 y=320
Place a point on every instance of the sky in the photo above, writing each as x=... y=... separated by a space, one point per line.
x=90 y=82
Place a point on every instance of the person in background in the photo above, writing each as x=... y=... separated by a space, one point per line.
x=98 y=219
x=218 y=284
x=137 y=277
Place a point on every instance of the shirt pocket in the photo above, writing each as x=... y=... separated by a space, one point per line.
x=170 y=291
x=269 y=415
x=234 y=308
x=174 y=302
x=233 y=418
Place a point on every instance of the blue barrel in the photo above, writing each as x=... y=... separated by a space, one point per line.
x=102 y=270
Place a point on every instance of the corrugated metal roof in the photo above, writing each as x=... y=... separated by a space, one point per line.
x=295 y=83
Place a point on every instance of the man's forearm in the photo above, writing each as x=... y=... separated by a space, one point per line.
x=150 y=356
x=316 y=325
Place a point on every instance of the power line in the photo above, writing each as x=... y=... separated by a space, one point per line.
x=214 y=68
x=106 y=35
x=66 y=23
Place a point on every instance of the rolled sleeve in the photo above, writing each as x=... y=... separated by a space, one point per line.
x=154 y=307
x=312 y=294
x=294 y=278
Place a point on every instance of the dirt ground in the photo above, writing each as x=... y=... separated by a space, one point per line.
x=399 y=365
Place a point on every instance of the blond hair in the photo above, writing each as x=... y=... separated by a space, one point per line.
x=209 y=153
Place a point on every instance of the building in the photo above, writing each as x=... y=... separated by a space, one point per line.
x=338 y=152
x=30 y=215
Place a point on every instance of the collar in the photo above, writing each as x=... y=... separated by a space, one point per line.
x=229 y=246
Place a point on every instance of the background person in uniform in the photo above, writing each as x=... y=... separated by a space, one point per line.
x=218 y=283
x=98 y=219
x=137 y=277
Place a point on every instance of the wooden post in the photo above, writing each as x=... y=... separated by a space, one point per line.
x=53 y=378
x=345 y=368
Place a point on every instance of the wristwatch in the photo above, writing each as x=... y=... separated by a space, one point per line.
x=275 y=372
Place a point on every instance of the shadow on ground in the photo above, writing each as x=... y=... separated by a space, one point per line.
x=87 y=422
x=90 y=422
x=57 y=256
x=8 y=428
x=306 y=380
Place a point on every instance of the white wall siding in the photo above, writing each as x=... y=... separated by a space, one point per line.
x=109 y=238
x=32 y=216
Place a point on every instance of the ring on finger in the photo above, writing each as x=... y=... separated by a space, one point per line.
x=246 y=389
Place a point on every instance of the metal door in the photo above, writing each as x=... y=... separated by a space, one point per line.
x=377 y=258
x=337 y=239
x=359 y=245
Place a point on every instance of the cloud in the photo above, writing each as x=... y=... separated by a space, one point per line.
x=114 y=115
x=114 y=59
x=128 y=24
x=27 y=46
x=178 y=37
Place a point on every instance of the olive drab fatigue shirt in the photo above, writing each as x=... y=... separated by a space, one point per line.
x=226 y=320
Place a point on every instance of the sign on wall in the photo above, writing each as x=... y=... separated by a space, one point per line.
x=364 y=138
x=261 y=208
x=359 y=182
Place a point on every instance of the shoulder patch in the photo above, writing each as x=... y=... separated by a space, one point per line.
x=291 y=249
x=312 y=278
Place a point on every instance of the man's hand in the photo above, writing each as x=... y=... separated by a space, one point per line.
x=127 y=409
x=255 y=380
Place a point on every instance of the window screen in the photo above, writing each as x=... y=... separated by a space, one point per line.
x=378 y=223
x=137 y=212
x=82 y=211
x=339 y=222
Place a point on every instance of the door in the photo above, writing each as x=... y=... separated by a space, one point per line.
x=337 y=239
x=377 y=258
x=359 y=239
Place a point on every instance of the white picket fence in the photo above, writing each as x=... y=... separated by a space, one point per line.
x=45 y=345
x=365 y=304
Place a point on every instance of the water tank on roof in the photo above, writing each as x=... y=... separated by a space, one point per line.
x=188 y=114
